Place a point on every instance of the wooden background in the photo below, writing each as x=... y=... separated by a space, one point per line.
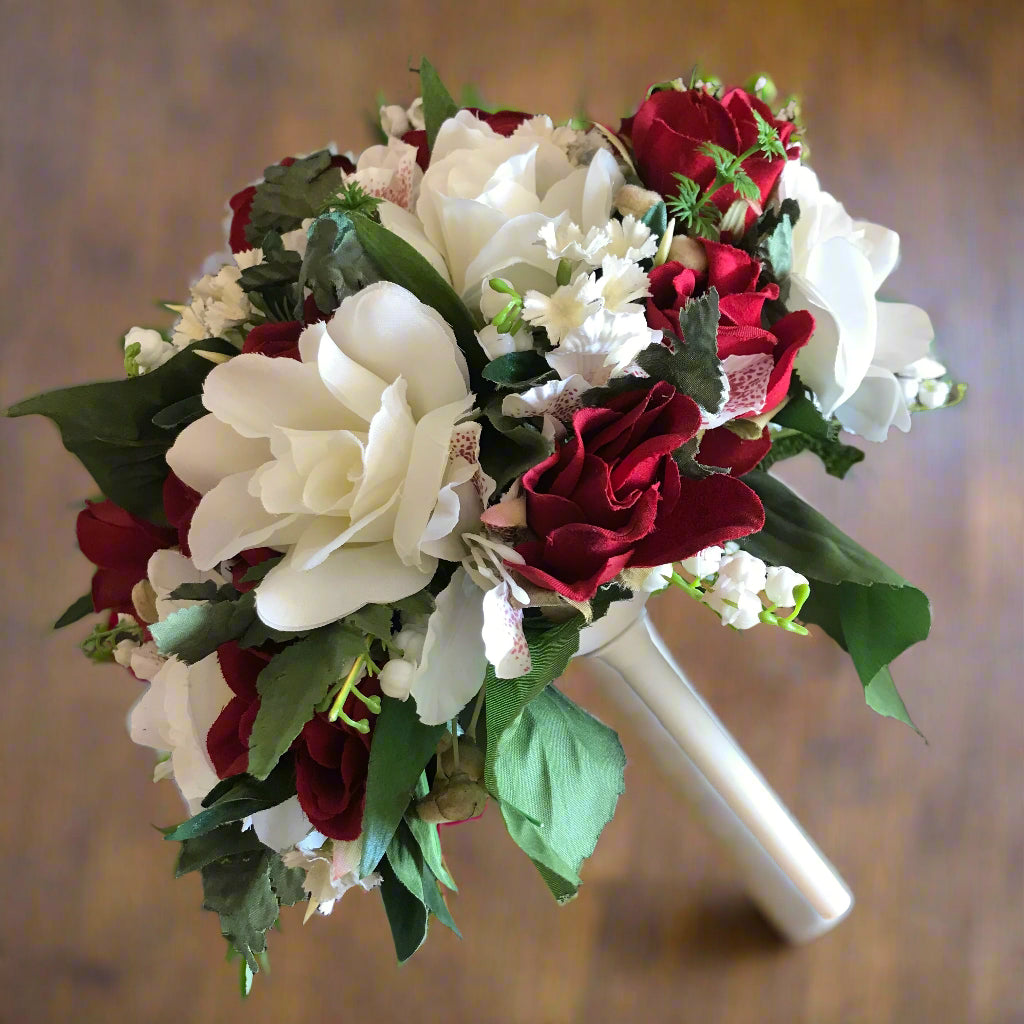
x=124 y=128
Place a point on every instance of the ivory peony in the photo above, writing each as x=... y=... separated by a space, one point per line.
x=344 y=460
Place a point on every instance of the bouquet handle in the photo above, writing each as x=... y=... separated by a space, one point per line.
x=786 y=875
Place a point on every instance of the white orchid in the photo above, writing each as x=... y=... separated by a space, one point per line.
x=389 y=172
x=348 y=461
x=859 y=344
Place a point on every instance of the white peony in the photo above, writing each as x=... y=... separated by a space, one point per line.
x=485 y=197
x=349 y=461
x=859 y=344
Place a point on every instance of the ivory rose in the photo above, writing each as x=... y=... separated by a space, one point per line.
x=340 y=460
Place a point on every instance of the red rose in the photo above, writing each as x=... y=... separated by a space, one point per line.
x=670 y=126
x=331 y=758
x=276 y=340
x=120 y=545
x=180 y=504
x=504 y=122
x=734 y=274
x=241 y=204
x=612 y=497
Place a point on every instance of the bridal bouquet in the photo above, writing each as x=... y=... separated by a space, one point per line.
x=439 y=407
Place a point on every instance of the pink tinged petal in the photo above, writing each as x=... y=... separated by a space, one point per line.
x=292 y=599
x=256 y=395
x=229 y=519
x=748 y=387
x=208 y=450
x=875 y=406
x=388 y=449
x=905 y=334
x=427 y=463
x=387 y=330
x=452 y=667
x=504 y=640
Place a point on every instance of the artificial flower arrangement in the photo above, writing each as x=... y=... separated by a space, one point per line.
x=438 y=408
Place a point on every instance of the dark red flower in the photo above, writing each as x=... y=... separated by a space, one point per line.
x=504 y=122
x=276 y=340
x=227 y=742
x=241 y=204
x=734 y=274
x=670 y=126
x=180 y=504
x=119 y=545
x=612 y=497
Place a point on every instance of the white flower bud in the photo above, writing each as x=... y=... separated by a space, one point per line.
x=415 y=114
x=933 y=393
x=410 y=641
x=731 y=547
x=396 y=678
x=705 y=563
x=780 y=584
x=909 y=386
x=153 y=350
x=738 y=607
x=657 y=579
x=924 y=369
x=744 y=571
x=394 y=120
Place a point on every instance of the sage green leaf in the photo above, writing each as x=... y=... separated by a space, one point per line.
x=866 y=607
x=402 y=746
x=193 y=633
x=438 y=104
x=399 y=262
x=289 y=884
x=412 y=870
x=837 y=458
x=564 y=768
x=226 y=841
x=108 y=426
x=292 y=685
x=800 y=413
x=372 y=619
x=656 y=218
x=407 y=914
x=75 y=611
x=551 y=647
x=510 y=446
x=335 y=265
x=779 y=245
x=288 y=195
x=428 y=836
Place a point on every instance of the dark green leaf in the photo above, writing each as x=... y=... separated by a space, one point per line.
x=427 y=835
x=656 y=218
x=75 y=611
x=407 y=914
x=517 y=369
x=837 y=458
x=289 y=883
x=412 y=870
x=180 y=414
x=335 y=265
x=800 y=413
x=438 y=104
x=551 y=647
x=372 y=619
x=402 y=745
x=196 y=632
x=260 y=633
x=510 y=446
x=605 y=596
x=883 y=698
x=291 y=687
x=205 y=591
x=226 y=841
x=416 y=604
x=565 y=769
x=401 y=263
x=288 y=195
x=109 y=426
x=257 y=573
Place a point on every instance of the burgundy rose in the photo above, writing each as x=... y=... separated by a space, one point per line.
x=180 y=504
x=504 y=122
x=612 y=497
x=331 y=758
x=119 y=545
x=734 y=275
x=241 y=204
x=670 y=126
x=276 y=340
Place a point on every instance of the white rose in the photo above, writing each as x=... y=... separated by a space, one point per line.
x=485 y=197
x=859 y=344
x=340 y=460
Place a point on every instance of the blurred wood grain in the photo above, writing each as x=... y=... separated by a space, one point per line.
x=123 y=128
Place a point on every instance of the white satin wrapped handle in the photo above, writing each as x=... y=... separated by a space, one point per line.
x=785 y=873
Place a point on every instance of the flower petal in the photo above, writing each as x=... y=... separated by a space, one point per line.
x=208 y=450
x=905 y=334
x=875 y=406
x=504 y=640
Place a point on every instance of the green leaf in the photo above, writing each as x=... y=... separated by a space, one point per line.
x=564 y=768
x=196 y=632
x=335 y=265
x=374 y=620
x=551 y=648
x=180 y=414
x=402 y=745
x=656 y=218
x=693 y=366
x=428 y=836
x=838 y=458
x=866 y=607
x=399 y=262
x=510 y=446
x=205 y=591
x=290 y=688
x=800 y=413
x=226 y=841
x=257 y=573
x=288 y=195
x=517 y=369
x=779 y=246
x=109 y=426
x=438 y=104
x=413 y=871
x=236 y=798
x=75 y=611
x=884 y=699
x=407 y=915
x=246 y=890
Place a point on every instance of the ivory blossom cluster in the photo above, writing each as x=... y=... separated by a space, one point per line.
x=437 y=406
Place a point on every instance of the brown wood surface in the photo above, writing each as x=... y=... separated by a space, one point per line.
x=124 y=128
